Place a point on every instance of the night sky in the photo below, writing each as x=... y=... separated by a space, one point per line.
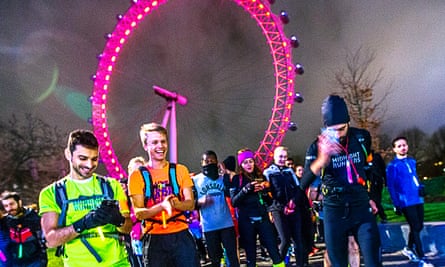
x=214 y=53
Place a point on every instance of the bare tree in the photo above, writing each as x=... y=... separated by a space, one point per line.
x=357 y=82
x=31 y=154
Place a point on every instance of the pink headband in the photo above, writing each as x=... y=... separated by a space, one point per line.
x=244 y=155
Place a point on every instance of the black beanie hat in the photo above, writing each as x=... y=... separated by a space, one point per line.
x=334 y=111
x=230 y=163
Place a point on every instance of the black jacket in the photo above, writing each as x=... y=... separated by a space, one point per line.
x=249 y=204
x=335 y=174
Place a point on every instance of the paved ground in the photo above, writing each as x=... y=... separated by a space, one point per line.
x=389 y=259
x=394 y=237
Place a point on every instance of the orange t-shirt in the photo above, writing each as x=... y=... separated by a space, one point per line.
x=161 y=188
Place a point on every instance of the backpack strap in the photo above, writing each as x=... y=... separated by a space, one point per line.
x=361 y=139
x=148 y=189
x=173 y=178
x=148 y=181
x=63 y=202
x=107 y=191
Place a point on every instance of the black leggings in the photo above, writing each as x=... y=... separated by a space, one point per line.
x=249 y=231
x=342 y=220
x=414 y=217
x=290 y=226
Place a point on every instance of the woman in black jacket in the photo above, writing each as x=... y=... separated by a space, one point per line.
x=249 y=195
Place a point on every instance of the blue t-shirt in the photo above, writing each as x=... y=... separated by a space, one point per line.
x=216 y=215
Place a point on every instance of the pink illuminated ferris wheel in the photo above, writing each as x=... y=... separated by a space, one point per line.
x=280 y=48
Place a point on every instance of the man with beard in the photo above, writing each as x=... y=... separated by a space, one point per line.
x=23 y=224
x=216 y=219
x=85 y=214
x=339 y=157
x=160 y=193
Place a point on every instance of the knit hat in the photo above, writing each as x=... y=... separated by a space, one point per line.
x=334 y=111
x=230 y=163
x=244 y=154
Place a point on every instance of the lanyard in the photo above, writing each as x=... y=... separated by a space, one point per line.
x=415 y=180
x=349 y=164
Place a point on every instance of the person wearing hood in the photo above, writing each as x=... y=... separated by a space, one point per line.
x=290 y=207
x=216 y=219
x=340 y=157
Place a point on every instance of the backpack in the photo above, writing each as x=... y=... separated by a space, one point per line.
x=150 y=193
x=63 y=202
x=148 y=188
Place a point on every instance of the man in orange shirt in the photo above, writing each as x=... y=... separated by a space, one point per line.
x=160 y=193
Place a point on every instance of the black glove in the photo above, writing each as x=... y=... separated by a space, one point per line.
x=248 y=188
x=110 y=209
x=398 y=211
x=91 y=220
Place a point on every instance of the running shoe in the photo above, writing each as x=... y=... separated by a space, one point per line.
x=423 y=263
x=410 y=254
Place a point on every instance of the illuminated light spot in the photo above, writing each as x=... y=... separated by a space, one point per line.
x=113 y=161
x=104 y=97
x=113 y=59
x=122 y=41
x=261 y=6
x=105 y=134
x=289 y=94
x=109 y=152
x=51 y=87
x=282 y=131
x=107 y=77
x=288 y=106
x=147 y=9
x=117 y=169
x=107 y=143
x=117 y=49
x=268 y=14
x=127 y=32
x=289 y=68
x=284 y=44
x=102 y=106
x=110 y=68
x=103 y=115
x=155 y=3
x=105 y=87
x=104 y=125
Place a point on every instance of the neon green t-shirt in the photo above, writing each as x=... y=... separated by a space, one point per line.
x=111 y=250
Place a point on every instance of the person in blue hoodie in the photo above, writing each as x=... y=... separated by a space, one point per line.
x=407 y=194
